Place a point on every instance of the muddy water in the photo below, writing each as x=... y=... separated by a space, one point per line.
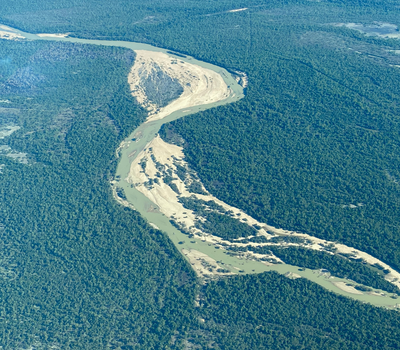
x=138 y=140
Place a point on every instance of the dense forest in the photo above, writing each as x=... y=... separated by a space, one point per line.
x=78 y=271
x=313 y=147
x=339 y=266
x=304 y=319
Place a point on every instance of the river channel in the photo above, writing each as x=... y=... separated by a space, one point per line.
x=146 y=132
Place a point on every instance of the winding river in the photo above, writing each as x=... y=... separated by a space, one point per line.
x=146 y=132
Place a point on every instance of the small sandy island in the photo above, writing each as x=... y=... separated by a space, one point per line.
x=44 y=35
x=203 y=264
x=238 y=10
x=200 y=85
x=346 y=288
x=10 y=35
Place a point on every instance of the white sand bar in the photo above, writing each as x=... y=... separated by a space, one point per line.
x=44 y=35
x=200 y=85
x=203 y=264
x=239 y=10
x=346 y=288
x=9 y=35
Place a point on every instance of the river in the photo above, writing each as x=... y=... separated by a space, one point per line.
x=147 y=131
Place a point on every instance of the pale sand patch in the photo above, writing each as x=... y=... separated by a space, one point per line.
x=162 y=194
x=241 y=78
x=346 y=288
x=8 y=130
x=203 y=264
x=292 y=275
x=377 y=294
x=10 y=35
x=200 y=85
x=168 y=202
x=391 y=36
x=45 y=35
x=368 y=30
x=238 y=10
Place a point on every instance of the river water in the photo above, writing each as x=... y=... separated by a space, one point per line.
x=147 y=131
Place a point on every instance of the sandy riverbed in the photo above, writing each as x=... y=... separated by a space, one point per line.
x=159 y=152
x=200 y=85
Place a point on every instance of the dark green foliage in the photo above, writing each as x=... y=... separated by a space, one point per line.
x=256 y=239
x=224 y=226
x=337 y=265
x=196 y=187
x=363 y=288
x=168 y=180
x=200 y=206
x=180 y=171
x=120 y=192
x=160 y=88
x=122 y=20
x=216 y=222
x=192 y=203
x=318 y=130
x=273 y=312
x=78 y=270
